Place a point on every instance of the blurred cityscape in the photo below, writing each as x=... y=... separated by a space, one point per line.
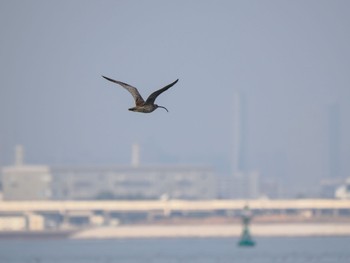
x=66 y=198
x=23 y=182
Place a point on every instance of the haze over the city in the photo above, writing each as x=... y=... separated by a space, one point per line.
x=289 y=59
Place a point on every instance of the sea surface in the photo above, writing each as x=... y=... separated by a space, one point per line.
x=176 y=250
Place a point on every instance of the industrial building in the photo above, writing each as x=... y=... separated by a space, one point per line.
x=29 y=182
x=128 y=182
x=26 y=182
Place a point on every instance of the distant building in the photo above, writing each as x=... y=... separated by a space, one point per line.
x=343 y=191
x=270 y=188
x=13 y=223
x=244 y=182
x=26 y=182
x=32 y=182
x=133 y=182
x=22 y=222
x=245 y=185
x=328 y=187
x=242 y=185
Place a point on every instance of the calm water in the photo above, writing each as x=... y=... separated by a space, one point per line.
x=223 y=250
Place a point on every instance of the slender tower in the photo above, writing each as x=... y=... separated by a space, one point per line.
x=135 y=155
x=238 y=133
x=19 y=155
x=334 y=140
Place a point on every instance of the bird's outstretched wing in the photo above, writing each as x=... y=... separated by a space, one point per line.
x=134 y=92
x=151 y=98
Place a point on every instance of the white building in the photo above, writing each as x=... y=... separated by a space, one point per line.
x=26 y=182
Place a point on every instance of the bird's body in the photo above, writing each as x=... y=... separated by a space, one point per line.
x=147 y=106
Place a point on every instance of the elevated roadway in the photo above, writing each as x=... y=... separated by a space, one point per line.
x=170 y=205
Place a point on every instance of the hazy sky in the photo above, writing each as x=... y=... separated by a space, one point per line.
x=290 y=59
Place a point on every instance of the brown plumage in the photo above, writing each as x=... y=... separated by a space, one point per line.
x=140 y=105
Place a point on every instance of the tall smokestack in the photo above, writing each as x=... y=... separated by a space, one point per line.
x=334 y=133
x=135 y=155
x=19 y=155
x=239 y=133
x=236 y=132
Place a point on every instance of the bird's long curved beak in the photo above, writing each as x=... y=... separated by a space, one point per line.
x=163 y=108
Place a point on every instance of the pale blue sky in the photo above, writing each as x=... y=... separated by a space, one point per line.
x=291 y=59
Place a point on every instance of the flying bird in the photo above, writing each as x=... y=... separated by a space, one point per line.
x=140 y=105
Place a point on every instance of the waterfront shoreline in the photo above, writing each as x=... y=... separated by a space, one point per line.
x=205 y=231
x=45 y=234
x=188 y=231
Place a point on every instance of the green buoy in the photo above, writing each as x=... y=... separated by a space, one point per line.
x=246 y=239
